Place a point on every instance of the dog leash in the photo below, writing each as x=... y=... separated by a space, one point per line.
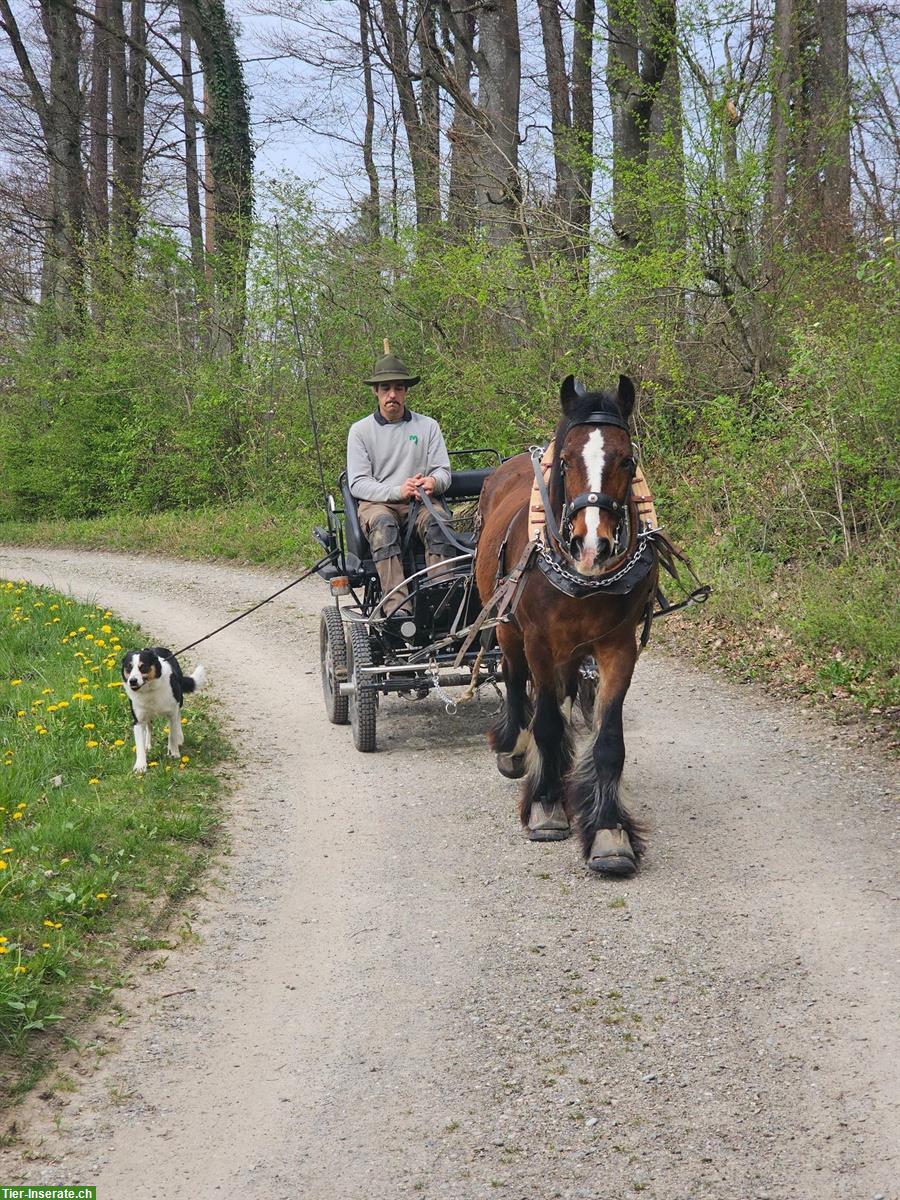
x=306 y=574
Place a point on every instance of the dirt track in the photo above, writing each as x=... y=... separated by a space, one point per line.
x=394 y=995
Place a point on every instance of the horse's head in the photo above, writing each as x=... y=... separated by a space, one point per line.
x=592 y=473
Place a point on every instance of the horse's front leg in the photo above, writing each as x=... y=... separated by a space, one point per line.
x=611 y=840
x=509 y=736
x=549 y=755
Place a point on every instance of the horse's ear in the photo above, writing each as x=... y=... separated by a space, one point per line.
x=568 y=393
x=625 y=396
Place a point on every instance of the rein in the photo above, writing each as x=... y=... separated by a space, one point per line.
x=306 y=574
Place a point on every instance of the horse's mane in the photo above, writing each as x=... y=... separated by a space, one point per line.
x=590 y=402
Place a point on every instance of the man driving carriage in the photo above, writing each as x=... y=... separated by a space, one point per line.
x=394 y=455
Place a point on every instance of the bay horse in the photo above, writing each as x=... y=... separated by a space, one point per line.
x=583 y=592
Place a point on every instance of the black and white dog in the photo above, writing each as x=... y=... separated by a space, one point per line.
x=156 y=688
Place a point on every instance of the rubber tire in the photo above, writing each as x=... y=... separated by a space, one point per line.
x=364 y=700
x=333 y=653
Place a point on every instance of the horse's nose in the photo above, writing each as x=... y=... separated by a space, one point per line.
x=604 y=550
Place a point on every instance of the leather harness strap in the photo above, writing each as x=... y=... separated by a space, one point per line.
x=504 y=600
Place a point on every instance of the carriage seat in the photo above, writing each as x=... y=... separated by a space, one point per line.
x=464 y=485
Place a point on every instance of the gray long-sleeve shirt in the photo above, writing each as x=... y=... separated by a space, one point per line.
x=382 y=455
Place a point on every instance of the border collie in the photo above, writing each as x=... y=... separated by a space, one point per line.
x=156 y=688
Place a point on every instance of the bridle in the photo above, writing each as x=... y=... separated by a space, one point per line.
x=618 y=508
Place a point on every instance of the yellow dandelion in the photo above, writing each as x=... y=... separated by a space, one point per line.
x=3 y=864
x=119 y=742
x=17 y=816
x=20 y=970
x=3 y=939
x=102 y=896
x=92 y=744
x=106 y=628
x=49 y=924
x=15 y=682
x=185 y=758
x=93 y=781
x=45 y=945
x=46 y=691
x=3 y=950
x=155 y=763
x=21 y=804
x=89 y=725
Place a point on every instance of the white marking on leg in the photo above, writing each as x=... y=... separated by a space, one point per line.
x=141 y=746
x=176 y=737
x=523 y=741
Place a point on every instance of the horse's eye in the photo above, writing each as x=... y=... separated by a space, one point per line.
x=629 y=464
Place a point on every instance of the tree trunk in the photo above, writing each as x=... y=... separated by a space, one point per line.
x=639 y=52
x=99 y=114
x=832 y=121
x=229 y=150
x=64 y=264
x=371 y=209
x=572 y=120
x=583 y=122
x=809 y=131
x=461 y=136
x=127 y=92
x=191 y=163
x=498 y=60
x=419 y=139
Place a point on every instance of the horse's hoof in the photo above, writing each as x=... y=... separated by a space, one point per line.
x=612 y=853
x=511 y=765
x=544 y=826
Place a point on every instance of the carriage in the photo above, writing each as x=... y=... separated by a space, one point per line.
x=366 y=653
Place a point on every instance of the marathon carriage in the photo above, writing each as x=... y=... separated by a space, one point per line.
x=367 y=653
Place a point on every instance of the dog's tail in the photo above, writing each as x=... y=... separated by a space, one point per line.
x=193 y=683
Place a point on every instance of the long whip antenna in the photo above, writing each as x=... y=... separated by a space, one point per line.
x=302 y=348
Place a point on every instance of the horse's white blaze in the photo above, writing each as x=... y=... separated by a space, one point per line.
x=594 y=455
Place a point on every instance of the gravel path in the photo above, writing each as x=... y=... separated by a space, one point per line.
x=392 y=994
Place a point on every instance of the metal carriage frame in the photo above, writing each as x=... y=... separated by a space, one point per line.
x=366 y=654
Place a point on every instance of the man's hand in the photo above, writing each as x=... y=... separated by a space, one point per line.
x=411 y=487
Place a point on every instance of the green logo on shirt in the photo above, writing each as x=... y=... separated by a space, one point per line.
x=414 y=437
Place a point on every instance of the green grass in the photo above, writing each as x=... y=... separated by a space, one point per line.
x=90 y=854
x=247 y=532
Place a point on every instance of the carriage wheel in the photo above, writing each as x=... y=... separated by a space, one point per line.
x=364 y=700
x=334 y=665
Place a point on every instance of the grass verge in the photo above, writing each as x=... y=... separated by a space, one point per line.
x=89 y=853
x=248 y=532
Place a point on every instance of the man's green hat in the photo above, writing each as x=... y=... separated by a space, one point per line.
x=389 y=369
